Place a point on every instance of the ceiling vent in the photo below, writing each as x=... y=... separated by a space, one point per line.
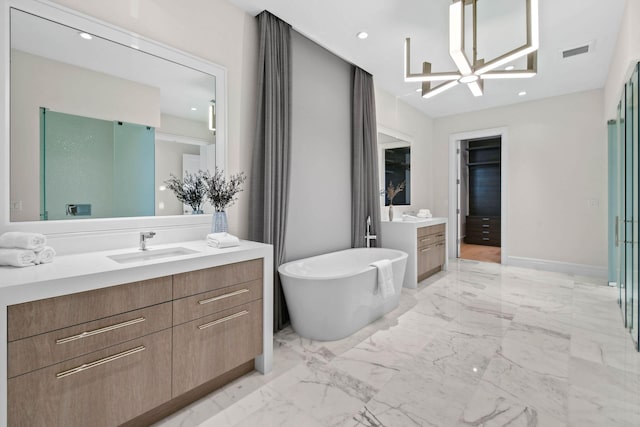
x=581 y=50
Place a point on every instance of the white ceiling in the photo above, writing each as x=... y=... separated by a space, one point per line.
x=564 y=24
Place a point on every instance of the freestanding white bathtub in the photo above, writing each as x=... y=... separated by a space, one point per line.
x=333 y=295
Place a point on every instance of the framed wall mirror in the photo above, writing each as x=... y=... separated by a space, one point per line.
x=98 y=119
x=394 y=165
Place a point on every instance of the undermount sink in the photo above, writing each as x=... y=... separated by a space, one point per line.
x=151 y=254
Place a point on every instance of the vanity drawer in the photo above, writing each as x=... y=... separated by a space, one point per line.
x=32 y=353
x=210 y=346
x=195 y=282
x=110 y=387
x=193 y=307
x=431 y=229
x=38 y=317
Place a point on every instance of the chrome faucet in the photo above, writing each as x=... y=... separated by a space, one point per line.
x=369 y=237
x=144 y=236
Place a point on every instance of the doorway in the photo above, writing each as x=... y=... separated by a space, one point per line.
x=477 y=187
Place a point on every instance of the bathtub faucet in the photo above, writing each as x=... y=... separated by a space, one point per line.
x=369 y=237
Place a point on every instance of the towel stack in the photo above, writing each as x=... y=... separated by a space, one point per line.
x=222 y=240
x=19 y=249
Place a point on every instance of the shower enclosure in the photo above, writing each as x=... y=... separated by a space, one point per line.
x=624 y=204
x=93 y=168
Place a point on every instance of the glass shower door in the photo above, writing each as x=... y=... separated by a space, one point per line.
x=629 y=203
x=632 y=123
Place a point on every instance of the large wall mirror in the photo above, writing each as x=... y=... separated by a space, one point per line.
x=99 y=118
x=394 y=165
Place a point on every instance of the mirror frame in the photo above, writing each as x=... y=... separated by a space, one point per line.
x=408 y=141
x=72 y=18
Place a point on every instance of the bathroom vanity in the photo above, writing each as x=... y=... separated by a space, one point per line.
x=88 y=340
x=425 y=241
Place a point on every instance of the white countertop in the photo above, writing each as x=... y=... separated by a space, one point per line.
x=421 y=222
x=93 y=270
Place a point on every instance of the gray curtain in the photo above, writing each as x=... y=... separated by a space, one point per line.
x=365 y=189
x=270 y=164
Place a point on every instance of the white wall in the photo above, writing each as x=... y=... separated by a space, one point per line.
x=39 y=82
x=214 y=30
x=319 y=218
x=396 y=115
x=556 y=163
x=626 y=55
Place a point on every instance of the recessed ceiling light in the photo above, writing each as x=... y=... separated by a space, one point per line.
x=509 y=67
x=362 y=35
x=523 y=93
x=419 y=89
x=194 y=109
x=135 y=46
x=86 y=36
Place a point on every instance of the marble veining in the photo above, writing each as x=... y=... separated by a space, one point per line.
x=479 y=345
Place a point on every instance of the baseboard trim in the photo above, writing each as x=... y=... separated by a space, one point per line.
x=558 y=267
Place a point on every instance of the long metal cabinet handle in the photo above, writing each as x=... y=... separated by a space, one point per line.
x=617 y=230
x=425 y=250
x=100 y=330
x=224 y=319
x=218 y=298
x=100 y=362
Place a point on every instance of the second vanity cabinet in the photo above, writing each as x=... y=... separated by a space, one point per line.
x=431 y=250
x=425 y=243
x=107 y=356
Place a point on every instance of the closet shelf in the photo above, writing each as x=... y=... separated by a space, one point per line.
x=493 y=162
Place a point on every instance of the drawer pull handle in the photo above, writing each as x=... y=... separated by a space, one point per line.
x=485 y=225
x=100 y=362
x=224 y=319
x=100 y=330
x=440 y=235
x=218 y=298
x=426 y=249
x=485 y=232
x=485 y=219
x=485 y=238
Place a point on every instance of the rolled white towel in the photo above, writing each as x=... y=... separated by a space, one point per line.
x=17 y=257
x=20 y=240
x=222 y=240
x=45 y=255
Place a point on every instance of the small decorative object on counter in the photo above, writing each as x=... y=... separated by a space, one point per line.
x=190 y=190
x=392 y=191
x=221 y=192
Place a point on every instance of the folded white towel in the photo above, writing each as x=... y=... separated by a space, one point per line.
x=222 y=240
x=17 y=257
x=20 y=240
x=385 y=277
x=45 y=255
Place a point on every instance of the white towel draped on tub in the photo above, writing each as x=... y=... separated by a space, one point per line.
x=385 y=277
x=17 y=257
x=222 y=240
x=20 y=240
x=45 y=255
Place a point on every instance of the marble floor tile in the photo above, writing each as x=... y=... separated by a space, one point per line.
x=479 y=345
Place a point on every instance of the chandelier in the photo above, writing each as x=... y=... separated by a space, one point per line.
x=473 y=72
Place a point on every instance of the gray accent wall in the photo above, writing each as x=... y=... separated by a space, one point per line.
x=320 y=194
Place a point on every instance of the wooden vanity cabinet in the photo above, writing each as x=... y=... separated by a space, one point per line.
x=104 y=388
x=431 y=250
x=90 y=358
x=131 y=354
x=226 y=330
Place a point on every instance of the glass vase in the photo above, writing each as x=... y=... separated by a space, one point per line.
x=219 y=223
x=390 y=212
